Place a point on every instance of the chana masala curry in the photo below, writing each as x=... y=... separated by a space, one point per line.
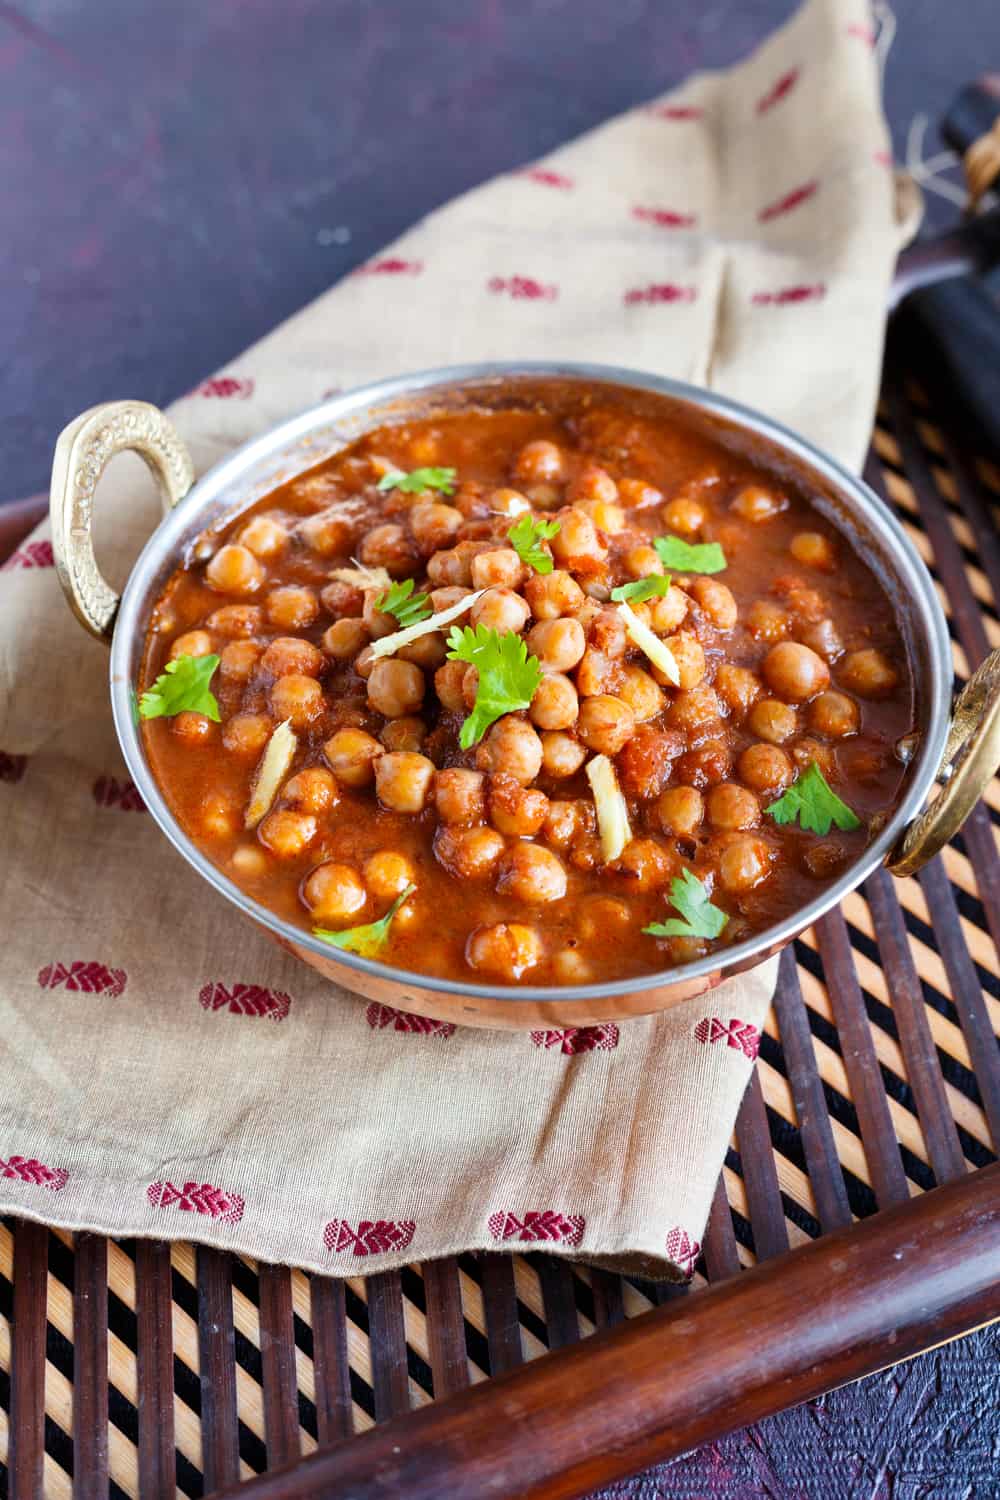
x=556 y=693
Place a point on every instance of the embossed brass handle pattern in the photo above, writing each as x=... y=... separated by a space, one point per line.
x=969 y=763
x=83 y=452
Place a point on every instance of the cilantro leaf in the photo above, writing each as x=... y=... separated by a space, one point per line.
x=690 y=557
x=508 y=676
x=419 y=479
x=397 y=601
x=655 y=585
x=182 y=685
x=701 y=918
x=526 y=538
x=813 y=801
x=370 y=939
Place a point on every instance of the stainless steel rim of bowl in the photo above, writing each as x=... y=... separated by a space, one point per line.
x=242 y=463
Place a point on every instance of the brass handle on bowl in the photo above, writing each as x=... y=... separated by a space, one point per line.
x=83 y=452
x=969 y=763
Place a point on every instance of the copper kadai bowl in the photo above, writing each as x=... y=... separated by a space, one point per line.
x=960 y=745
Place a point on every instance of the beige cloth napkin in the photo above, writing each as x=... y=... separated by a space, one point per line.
x=165 y=1070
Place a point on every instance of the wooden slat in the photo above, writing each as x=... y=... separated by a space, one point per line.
x=445 y=1326
x=867 y=1091
x=330 y=1360
x=154 y=1370
x=387 y=1336
x=27 y=1396
x=559 y=1299
x=826 y=1177
x=503 y=1327
x=90 y=1367
x=609 y=1301
x=722 y=1258
x=922 y=1066
x=220 y=1440
x=767 y=1217
x=277 y=1360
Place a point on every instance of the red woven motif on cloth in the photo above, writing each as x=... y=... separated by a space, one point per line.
x=786 y=294
x=28 y=1169
x=12 y=766
x=523 y=288
x=31 y=555
x=124 y=795
x=788 y=202
x=380 y=1016
x=742 y=1035
x=664 y=218
x=675 y=111
x=245 y=1000
x=391 y=265
x=372 y=1236
x=682 y=1249
x=574 y=1039
x=779 y=91
x=547 y=1226
x=226 y=388
x=87 y=976
x=548 y=178
x=663 y=291
x=198 y=1198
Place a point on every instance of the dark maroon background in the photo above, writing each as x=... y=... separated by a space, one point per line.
x=176 y=178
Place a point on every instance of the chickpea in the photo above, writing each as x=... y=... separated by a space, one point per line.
x=689 y=655
x=389 y=547
x=766 y=768
x=805 y=603
x=219 y=818
x=448 y=686
x=640 y=692
x=458 y=795
x=506 y=950
x=403 y=780
x=445 y=598
x=248 y=862
x=606 y=516
x=822 y=637
x=541 y=462
x=766 y=621
x=680 y=810
x=288 y=654
x=646 y=763
x=247 y=734
x=694 y=708
x=292 y=607
x=238 y=660
x=334 y=893
x=339 y=598
x=771 y=720
x=643 y=562
x=453 y=567
x=607 y=634
x=516 y=810
x=731 y=806
x=744 y=861
x=351 y=754
x=707 y=764
x=500 y=568
x=868 y=673
x=685 y=515
x=807 y=749
x=668 y=611
x=834 y=714
x=234 y=570
x=555 y=704
x=287 y=833
x=637 y=494
x=553 y=594
x=364 y=662
x=472 y=501
x=395 y=687
x=576 y=544
x=592 y=483
x=434 y=525
x=501 y=610
x=562 y=755
x=405 y=733
x=511 y=747
x=646 y=864
x=387 y=874
x=508 y=502
x=298 y=698
x=530 y=872
x=604 y=918
x=794 y=672
x=596 y=674
x=716 y=601
x=345 y=638
x=264 y=537
x=468 y=853
x=470 y=687
x=755 y=503
x=378 y=624
x=813 y=550
x=313 y=790
x=605 y=724
x=197 y=643
x=738 y=687
x=570 y=967
x=329 y=533
x=563 y=822
x=558 y=644
x=236 y=620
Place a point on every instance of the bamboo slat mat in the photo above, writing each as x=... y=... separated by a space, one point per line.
x=162 y=1367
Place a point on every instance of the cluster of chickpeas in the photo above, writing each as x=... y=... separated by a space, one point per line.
x=699 y=761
